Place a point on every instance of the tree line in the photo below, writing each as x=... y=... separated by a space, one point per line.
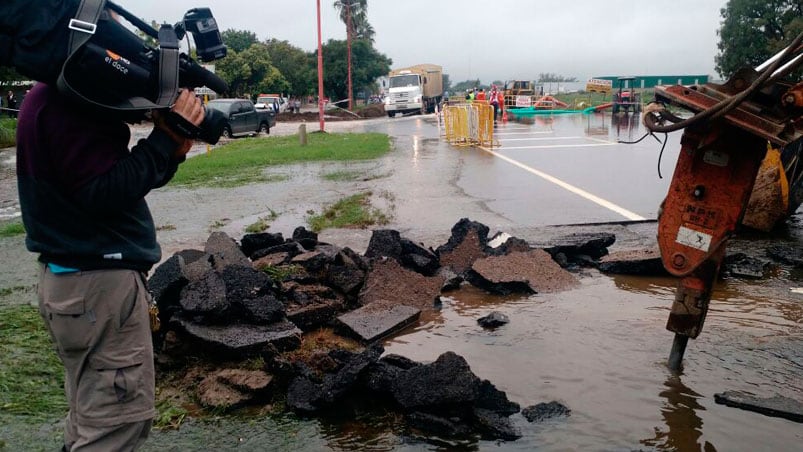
x=750 y=32
x=274 y=66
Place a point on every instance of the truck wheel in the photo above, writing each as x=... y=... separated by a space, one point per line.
x=263 y=128
x=226 y=132
x=391 y=114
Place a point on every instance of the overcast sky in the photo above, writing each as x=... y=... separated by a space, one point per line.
x=493 y=39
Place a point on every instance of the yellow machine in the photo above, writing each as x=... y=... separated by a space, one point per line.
x=516 y=88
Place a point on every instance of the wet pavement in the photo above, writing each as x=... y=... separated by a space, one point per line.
x=599 y=349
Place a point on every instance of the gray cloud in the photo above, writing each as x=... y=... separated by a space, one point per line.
x=500 y=39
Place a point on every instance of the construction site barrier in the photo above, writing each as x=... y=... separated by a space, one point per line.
x=469 y=124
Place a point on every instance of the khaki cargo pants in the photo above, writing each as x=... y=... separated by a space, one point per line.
x=100 y=326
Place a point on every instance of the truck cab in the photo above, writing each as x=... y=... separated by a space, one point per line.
x=404 y=94
x=417 y=89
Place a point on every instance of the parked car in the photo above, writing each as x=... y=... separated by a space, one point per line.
x=243 y=118
x=277 y=102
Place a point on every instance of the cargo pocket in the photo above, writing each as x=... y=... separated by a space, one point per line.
x=71 y=324
x=112 y=389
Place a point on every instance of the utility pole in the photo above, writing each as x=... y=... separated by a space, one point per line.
x=348 y=44
x=320 y=70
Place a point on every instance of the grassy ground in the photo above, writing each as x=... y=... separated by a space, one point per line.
x=352 y=211
x=8 y=132
x=31 y=375
x=242 y=162
x=11 y=229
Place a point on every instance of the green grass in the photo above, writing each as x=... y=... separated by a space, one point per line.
x=5 y=291
x=170 y=415
x=350 y=176
x=242 y=162
x=8 y=132
x=343 y=176
x=353 y=211
x=31 y=374
x=280 y=272
x=12 y=229
x=262 y=223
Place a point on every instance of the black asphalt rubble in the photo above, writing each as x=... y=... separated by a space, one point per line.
x=261 y=297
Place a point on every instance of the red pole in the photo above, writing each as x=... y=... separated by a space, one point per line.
x=348 y=40
x=320 y=70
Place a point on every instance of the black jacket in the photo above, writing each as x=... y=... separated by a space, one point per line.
x=82 y=192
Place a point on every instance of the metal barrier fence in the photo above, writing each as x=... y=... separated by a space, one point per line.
x=469 y=124
x=9 y=112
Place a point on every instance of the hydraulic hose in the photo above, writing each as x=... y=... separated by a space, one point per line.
x=653 y=122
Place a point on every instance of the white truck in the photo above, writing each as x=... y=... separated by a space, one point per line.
x=414 y=89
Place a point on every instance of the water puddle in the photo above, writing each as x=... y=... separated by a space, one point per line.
x=599 y=349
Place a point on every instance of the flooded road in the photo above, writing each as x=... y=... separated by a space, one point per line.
x=604 y=176
x=599 y=349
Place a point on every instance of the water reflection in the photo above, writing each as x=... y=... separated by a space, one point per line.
x=469 y=300
x=360 y=424
x=684 y=427
x=544 y=121
x=661 y=286
x=597 y=125
x=626 y=126
x=355 y=428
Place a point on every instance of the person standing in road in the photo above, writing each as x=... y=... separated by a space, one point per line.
x=82 y=196
x=500 y=100
x=493 y=99
x=481 y=95
x=11 y=104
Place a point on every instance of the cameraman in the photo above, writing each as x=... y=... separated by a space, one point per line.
x=82 y=193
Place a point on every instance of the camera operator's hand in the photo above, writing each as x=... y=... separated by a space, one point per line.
x=188 y=107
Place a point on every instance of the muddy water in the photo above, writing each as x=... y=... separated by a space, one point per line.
x=600 y=349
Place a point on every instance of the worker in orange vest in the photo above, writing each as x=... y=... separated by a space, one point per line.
x=481 y=95
x=494 y=100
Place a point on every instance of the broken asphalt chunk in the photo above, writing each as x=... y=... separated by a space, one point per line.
x=776 y=406
x=370 y=323
x=642 y=262
x=528 y=272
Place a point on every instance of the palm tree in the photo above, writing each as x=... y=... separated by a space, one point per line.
x=353 y=14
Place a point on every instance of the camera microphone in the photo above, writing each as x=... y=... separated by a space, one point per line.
x=196 y=75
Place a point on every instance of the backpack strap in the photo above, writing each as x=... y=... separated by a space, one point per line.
x=84 y=24
x=83 y=27
x=168 y=66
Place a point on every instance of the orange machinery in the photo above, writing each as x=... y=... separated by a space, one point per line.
x=722 y=147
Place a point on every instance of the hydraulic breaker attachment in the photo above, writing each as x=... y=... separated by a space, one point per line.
x=707 y=198
x=722 y=148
